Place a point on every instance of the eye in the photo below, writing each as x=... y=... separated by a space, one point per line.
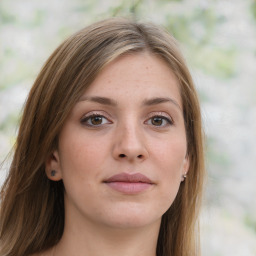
x=160 y=121
x=95 y=120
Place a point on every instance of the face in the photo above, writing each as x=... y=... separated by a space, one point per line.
x=122 y=150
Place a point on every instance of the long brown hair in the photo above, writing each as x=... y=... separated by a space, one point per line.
x=32 y=207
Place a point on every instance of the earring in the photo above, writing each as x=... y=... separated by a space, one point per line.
x=184 y=176
x=53 y=172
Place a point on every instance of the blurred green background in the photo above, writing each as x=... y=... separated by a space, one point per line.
x=218 y=39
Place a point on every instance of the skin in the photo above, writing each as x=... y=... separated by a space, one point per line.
x=129 y=136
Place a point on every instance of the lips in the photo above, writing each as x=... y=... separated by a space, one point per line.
x=129 y=183
x=132 y=178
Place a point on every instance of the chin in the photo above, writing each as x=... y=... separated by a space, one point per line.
x=131 y=223
x=132 y=218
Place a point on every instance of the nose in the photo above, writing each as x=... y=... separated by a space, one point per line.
x=130 y=144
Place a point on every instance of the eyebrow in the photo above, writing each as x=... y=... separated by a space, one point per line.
x=159 y=100
x=100 y=100
x=146 y=102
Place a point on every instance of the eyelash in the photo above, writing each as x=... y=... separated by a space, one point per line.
x=168 y=120
x=85 y=120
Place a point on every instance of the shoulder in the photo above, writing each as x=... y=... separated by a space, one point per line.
x=45 y=253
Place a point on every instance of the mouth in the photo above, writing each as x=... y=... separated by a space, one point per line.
x=129 y=183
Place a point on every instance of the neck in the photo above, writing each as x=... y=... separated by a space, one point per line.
x=93 y=240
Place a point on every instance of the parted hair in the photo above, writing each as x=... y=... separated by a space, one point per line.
x=32 y=206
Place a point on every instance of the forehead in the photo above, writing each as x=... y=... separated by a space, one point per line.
x=142 y=75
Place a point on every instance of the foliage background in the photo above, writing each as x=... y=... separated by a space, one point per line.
x=218 y=38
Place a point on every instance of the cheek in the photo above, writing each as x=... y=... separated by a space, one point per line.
x=81 y=161
x=170 y=154
x=80 y=165
x=170 y=159
x=81 y=150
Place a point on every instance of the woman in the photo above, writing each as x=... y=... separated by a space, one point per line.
x=109 y=155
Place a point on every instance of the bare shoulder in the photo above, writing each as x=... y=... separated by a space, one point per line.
x=41 y=254
x=45 y=253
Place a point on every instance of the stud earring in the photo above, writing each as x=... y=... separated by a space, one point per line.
x=53 y=172
x=184 y=176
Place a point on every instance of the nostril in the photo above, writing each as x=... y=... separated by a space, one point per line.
x=123 y=156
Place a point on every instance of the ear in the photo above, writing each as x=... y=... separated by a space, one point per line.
x=185 y=168
x=53 y=167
